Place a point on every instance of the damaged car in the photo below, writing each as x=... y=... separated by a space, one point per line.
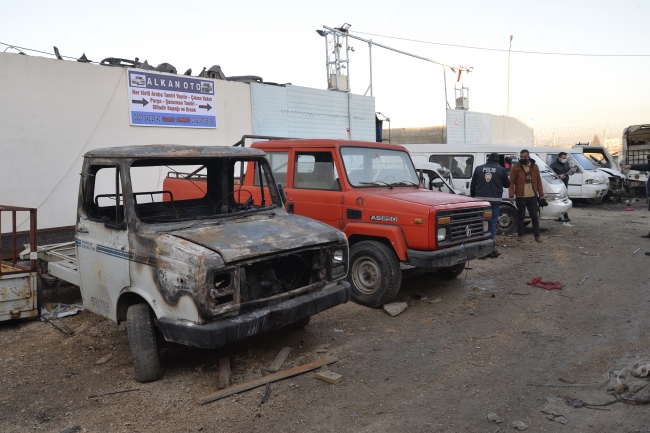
x=207 y=264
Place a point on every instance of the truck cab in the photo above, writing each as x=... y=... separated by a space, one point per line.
x=166 y=236
x=371 y=191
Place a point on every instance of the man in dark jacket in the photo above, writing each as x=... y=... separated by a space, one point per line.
x=487 y=184
x=642 y=167
x=526 y=185
x=561 y=167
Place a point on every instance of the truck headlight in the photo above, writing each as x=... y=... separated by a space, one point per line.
x=486 y=226
x=592 y=182
x=442 y=234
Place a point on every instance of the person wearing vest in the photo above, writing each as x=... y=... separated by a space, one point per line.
x=487 y=184
x=525 y=189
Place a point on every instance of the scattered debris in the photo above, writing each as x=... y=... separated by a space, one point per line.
x=520 y=294
x=575 y=402
x=72 y=429
x=338 y=330
x=636 y=251
x=395 y=308
x=321 y=350
x=583 y=280
x=565 y=224
x=548 y=285
x=630 y=209
x=435 y=301
x=642 y=371
x=328 y=376
x=58 y=325
x=479 y=288
x=224 y=373
x=266 y=379
x=114 y=392
x=104 y=360
x=537 y=311
x=279 y=360
x=554 y=416
x=493 y=417
x=565 y=380
x=58 y=311
x=267 y=394
x=519 y=425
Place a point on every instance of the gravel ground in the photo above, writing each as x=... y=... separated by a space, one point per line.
x=462 y=349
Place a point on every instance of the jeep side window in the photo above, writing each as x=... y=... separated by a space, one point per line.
x=315 y=170
x=103 y=199
x=279 y=162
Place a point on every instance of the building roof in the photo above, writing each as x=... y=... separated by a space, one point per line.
x=172 y=151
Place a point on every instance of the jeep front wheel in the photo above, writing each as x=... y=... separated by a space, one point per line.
x=375 y=274
x=143 y=343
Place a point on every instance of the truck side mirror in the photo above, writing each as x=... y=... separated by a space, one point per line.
x=283 y=195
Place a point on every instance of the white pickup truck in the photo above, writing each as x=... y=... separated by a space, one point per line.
x=204 y=266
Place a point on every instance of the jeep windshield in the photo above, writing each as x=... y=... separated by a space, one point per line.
x=170 y=190
x=371 y=167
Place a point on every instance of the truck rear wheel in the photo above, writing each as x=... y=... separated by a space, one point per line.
x=143 y=343
x=451 y=272
x=375 y=274
x=507 y=220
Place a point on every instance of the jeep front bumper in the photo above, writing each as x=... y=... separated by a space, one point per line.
x=218 y=333
x=447 y=257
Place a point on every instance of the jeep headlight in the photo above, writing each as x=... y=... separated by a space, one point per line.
x=593 y=182
x=338 y=262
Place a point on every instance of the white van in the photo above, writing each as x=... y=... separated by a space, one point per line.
x=461 y=159
x=589 y=182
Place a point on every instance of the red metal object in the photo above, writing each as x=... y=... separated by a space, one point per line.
x=17 y=269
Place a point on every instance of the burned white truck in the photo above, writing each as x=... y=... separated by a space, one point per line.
x=204 y=266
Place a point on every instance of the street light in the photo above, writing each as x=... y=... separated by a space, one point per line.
x=509 y=75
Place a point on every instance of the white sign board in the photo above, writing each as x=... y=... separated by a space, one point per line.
x=170 y=101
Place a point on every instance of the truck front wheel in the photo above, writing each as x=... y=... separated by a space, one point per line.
x=143 y=343
x=375 y=274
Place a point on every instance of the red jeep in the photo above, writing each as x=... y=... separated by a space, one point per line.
x=372 y=193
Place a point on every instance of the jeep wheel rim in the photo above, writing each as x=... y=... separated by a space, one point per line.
x=366 y=275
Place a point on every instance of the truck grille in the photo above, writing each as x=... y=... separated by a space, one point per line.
x=466 y=224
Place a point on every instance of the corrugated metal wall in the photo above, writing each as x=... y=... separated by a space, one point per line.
x=302 y=112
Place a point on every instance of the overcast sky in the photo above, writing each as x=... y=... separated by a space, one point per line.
x=277 y=40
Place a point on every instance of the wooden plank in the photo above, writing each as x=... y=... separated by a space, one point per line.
x=328 y=376
x=224 y=373
x=266 y=379
x=279 y=360
x=60 y=326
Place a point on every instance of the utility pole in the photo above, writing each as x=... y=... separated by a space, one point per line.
x=509 y=75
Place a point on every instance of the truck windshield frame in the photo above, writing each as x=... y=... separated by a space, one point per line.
x=170 y=190
x=394 y=168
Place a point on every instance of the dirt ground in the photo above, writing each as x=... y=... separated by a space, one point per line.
x=462 y=349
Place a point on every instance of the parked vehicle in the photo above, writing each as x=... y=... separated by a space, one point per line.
x=208 y=267
x=596 y=176
x=460 y=160
x=635 y=150
x=371 y=192
x=434 y=177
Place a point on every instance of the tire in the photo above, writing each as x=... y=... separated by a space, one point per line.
x=143 y=343
x=300 y=323
x=451 y=272
x=375 y=274
x=507 y=220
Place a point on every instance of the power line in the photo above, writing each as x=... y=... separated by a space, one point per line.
x=504 y=50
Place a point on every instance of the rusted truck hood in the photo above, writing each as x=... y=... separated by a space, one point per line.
x=257 y=236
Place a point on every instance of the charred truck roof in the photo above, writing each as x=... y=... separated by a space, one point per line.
x=171 y=226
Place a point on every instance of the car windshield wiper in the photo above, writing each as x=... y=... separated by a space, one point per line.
x=406 y=182
x=377 y=182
